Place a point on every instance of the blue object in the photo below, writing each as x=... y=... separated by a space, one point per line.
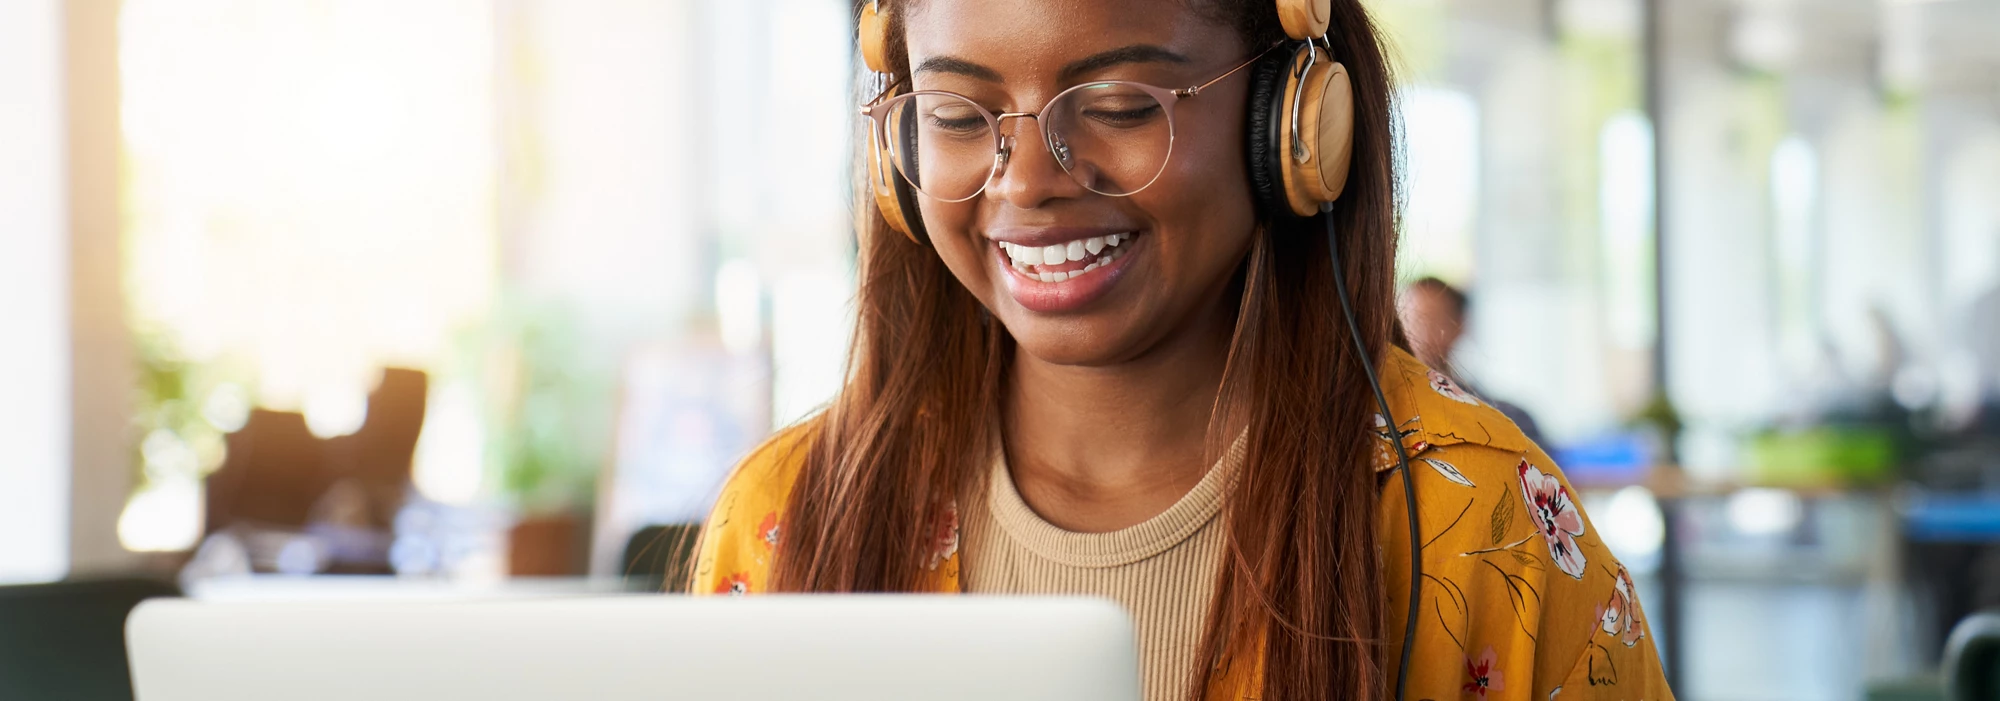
x=1620 y=458
x=1955 y=519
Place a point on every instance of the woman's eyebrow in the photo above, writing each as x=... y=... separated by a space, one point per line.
x=959 y=66
x=1136 y=53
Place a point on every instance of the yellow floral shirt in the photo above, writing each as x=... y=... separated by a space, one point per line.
x=1520 y=598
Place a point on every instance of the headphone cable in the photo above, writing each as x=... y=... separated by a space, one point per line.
x=1396 y=439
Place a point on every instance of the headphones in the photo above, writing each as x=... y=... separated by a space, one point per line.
x=1299 y=141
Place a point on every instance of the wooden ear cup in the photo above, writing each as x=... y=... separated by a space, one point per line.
x=1305 y=19
x=1314 y=169
x=892 y=197
x=895 y=199
x=888 y=191
x=874 y=31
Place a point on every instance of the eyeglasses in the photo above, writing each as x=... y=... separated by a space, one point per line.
x=1113 y=137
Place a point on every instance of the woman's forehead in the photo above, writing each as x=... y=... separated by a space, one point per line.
x=1017 y=38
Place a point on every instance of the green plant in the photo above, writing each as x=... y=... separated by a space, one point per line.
x=548 y=400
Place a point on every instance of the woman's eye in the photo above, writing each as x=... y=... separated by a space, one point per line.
x=956 y=121
x=1127 y=114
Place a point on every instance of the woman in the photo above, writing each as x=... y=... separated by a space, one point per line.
x=1069 y=378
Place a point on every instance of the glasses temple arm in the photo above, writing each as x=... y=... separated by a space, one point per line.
x=1196 y=90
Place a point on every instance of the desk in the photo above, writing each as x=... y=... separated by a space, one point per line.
x=1704 y=553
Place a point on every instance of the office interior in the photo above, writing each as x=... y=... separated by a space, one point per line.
x=475 y=298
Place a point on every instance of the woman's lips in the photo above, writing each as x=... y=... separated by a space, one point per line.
x=1066 y=276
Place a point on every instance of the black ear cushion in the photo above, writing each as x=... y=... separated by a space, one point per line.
x=911 y=215
x=906 y=200
x=906 y=196
x=1266 y=109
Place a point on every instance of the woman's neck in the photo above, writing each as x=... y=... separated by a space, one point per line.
x=1098 y=449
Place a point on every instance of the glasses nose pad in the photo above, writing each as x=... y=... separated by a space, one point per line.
x=1059 y=146
x=1002 y=155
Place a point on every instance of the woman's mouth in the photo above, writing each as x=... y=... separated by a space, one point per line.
x=1064 y=261
x=1066 y=275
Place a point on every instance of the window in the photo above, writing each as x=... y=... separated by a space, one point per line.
x=34 y=265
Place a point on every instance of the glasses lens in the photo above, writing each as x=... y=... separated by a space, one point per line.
x=942 y=144
x=1113 y=138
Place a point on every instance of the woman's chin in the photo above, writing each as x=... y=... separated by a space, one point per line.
x=1083 y=342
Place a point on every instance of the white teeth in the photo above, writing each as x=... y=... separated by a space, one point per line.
x=1054 y=255
x=1102 y=248
x=1028 y=255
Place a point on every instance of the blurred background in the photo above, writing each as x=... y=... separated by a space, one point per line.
x=443 y=298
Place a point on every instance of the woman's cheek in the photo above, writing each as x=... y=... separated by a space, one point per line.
x=950 y=228
x=1209 y=222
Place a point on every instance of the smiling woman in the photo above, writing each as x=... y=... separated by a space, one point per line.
x=1126 y=278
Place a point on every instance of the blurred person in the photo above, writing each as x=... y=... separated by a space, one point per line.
x=1099 y=352
x=1434 y=315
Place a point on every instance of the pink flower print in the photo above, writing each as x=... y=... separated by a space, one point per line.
x=944 y=538
x=768 y=530
x=1555 y=517
x=1621 y=613
x=736 y=585
x=1450 y=389
x=1483 y=675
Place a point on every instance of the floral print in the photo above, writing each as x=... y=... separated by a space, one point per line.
x=1519 y=599
x=1385 y=451
x=1449 y=471
x=1555 y=517
x=1449 y=388
x=944 y=538
x=768 y=528
x=1621 y=614
x=1482 y=675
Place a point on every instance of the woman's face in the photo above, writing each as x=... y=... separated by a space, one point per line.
x=1178 y=241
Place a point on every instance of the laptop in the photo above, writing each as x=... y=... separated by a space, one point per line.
x=830 y=648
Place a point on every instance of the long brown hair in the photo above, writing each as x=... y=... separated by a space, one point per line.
x=910 y=431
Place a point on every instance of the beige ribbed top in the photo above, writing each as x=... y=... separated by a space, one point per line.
x=1163 y=570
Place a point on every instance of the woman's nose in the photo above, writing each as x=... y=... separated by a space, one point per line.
x=1031 y=171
